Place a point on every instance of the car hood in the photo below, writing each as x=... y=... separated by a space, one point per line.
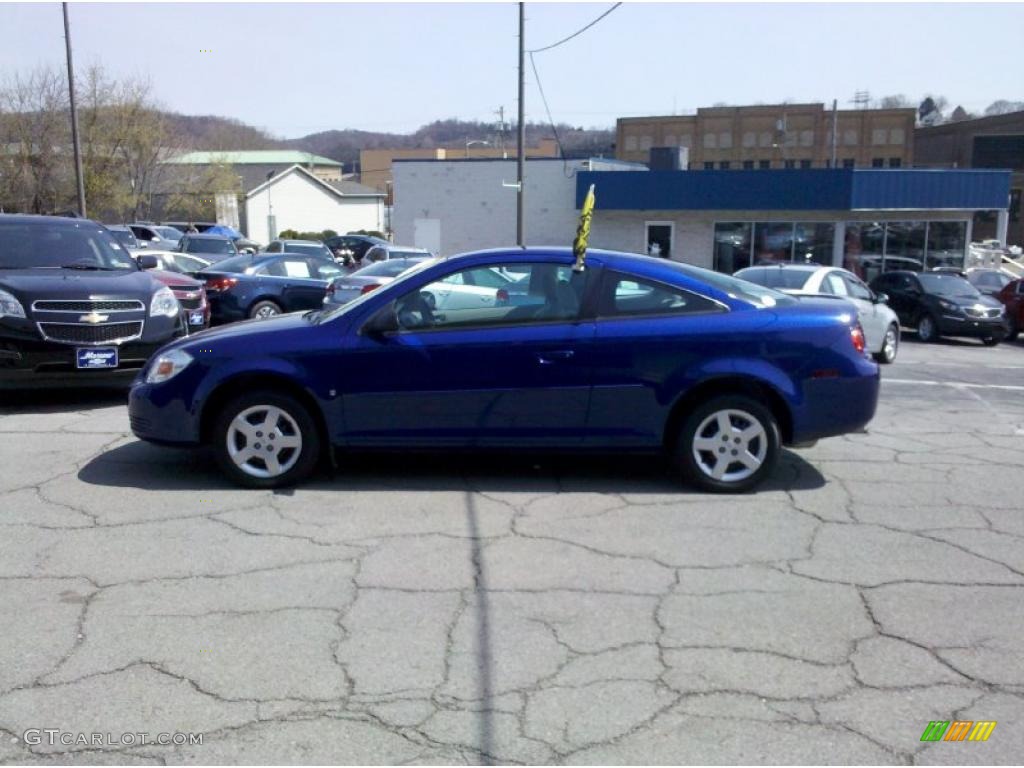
x=31 y=284
x=253 y=331
x=967 y=301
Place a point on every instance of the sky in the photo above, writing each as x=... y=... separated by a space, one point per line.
x=294 y=69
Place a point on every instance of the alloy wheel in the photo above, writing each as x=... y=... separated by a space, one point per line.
x=267 y=310
x=264 y=441
x=926 y=328
x=730 y=445
x=889 y=345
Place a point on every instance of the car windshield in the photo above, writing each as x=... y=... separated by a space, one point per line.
x=169 y=233
x=734 y=287
x=389 y=268
x=408 y=255
x=125 y=237
x=948 y=285
x=322 y=316
x=235 y=264
x=50 y=245
x=775 y=277
x=215 y=245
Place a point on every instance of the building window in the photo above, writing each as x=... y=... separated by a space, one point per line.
x=710 y=141
x=725 y=140
x=764 y=139
x=684 y=141
x=732 y=247
x=895 y=162
x=790 y=163
x=773 y=242
x=850 y=138
x=646 y=142
x=805 y=163
x=631 y=143
x=878 y=162
x=748 y=165
x=947 y=242
x=863 y=248
x=749 y=139
x=724 y=165
x=659 y=238
x=764 y=164
x=848 y=162
x=1015 y=204
x=879 y=136
x=806 y=138
x=813 y=242
x=896 y=136
x=708 y=165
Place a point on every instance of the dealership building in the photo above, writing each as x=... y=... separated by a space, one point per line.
x=866 y=219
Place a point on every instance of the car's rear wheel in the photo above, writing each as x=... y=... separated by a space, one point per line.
x=1013 y=331
x=261 y=310
x=266 y=439
x=890 y=345
x=990 y=341
x=728 y=444
x=927 y=329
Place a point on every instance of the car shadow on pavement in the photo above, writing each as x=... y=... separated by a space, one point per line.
x=149 y=467
x=60 y=400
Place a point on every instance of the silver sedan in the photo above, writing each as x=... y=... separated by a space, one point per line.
x=880 y=324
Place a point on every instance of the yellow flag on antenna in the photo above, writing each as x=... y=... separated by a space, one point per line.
x=579 y=245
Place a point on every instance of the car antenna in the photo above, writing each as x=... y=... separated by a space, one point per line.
x=579 y=245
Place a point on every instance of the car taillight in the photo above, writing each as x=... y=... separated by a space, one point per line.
x=857 y=337
x=369 y=287
x=221 y=283
x=502 y=296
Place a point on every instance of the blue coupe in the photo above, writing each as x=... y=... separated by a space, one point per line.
x=631 y=354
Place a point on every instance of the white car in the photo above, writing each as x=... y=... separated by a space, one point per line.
x=880 y=324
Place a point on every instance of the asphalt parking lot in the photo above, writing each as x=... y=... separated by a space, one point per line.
x=459 y=610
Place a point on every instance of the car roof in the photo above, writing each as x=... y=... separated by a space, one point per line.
x=792 y=267
x=303 y=242
x=31 y=218
x=204 y=236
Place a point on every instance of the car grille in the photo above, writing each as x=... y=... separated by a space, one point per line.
x=983 y=312
x=88 y=305
x=109 y=333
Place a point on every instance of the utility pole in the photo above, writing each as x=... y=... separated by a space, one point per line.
x=521 y=142
x=835 y=130
x=74 y=115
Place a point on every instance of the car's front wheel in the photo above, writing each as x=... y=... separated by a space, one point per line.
x=728 y=444
x=927 y=329
x=266 y=439
x=890 y=345
x=1014 y=330
x=990 y=341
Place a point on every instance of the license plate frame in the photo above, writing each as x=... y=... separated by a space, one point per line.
x=96 y=358
x=196 y=317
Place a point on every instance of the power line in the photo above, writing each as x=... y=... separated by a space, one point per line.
x=543 y=98
x=576 y=33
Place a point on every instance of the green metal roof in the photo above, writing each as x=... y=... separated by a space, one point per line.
x=254 y=157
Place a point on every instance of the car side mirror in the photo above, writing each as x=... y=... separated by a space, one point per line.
x=881 y=298
x=146 y=261
x=382 y=323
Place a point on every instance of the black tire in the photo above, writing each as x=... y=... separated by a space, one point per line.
x=927 y=329
x=887 y=355
x=301 y=422
x=704 y=417
x=264 y=309
x=991 y=341
x=1013 y=331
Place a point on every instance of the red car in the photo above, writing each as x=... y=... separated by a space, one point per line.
x=1012 y=297
x=191 y=294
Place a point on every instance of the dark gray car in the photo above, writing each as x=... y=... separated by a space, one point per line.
x=342 y=290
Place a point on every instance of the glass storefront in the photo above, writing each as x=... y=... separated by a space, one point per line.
x=869 y=247
x=743 y=244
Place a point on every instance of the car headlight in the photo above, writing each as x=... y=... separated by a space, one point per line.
x=949 y=306
x=164 y=304
x=10 y=306
x=168 y=365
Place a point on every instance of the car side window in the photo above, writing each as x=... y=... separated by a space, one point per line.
x=623 y=295
x=376 y=254
x=546 y=293
x=837 y=284
x=274 y=247
x=857 y=289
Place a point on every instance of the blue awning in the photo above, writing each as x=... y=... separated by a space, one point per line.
x=797 y=190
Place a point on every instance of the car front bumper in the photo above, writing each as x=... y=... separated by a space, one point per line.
x=38 y=363
x=982 y=328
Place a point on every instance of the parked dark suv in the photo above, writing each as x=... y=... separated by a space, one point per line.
x=74 y=306
x=939 y=304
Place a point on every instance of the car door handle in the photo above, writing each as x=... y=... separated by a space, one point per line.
x=548 y=358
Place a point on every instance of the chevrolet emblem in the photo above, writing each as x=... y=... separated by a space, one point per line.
x=93 y=317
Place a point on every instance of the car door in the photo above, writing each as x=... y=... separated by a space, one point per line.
x=873 y=321
x=647 y=335
x=297 y=283
x=902 y=298
x=490 y=375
